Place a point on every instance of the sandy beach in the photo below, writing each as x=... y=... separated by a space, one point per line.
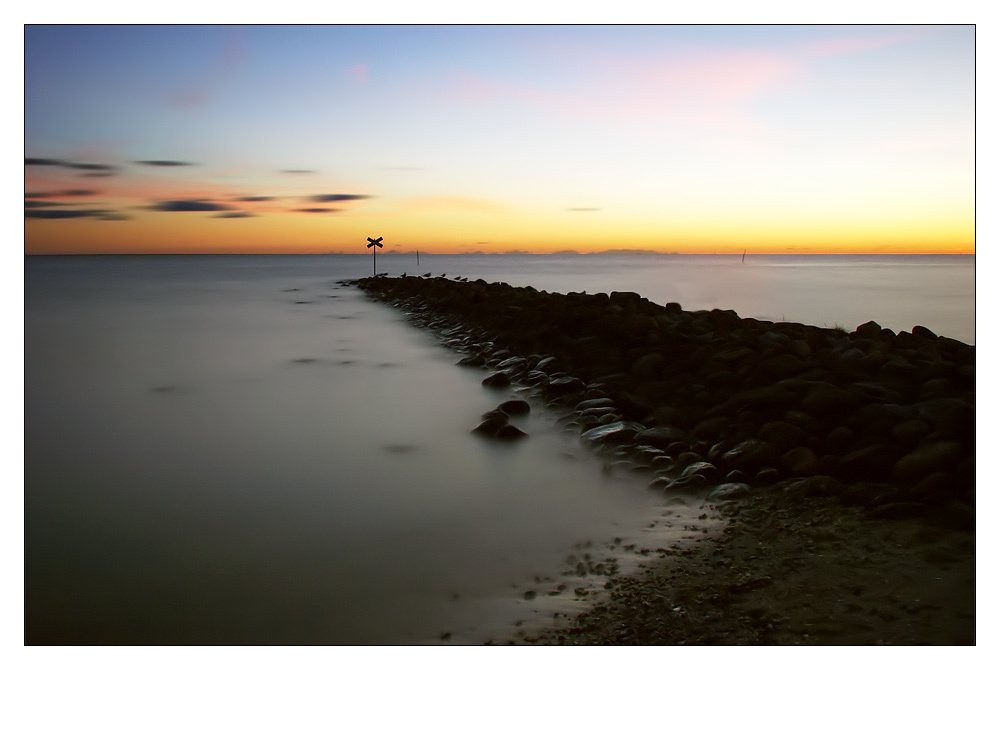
x=842 y=462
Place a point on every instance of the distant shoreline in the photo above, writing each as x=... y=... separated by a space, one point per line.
x=516 y=253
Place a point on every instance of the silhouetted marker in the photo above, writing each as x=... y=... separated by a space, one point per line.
x=373 y=244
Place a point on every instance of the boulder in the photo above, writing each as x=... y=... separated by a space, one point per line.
x=702 y=469
x=927 y=459
x=728 y=491
x=510 y=432
x=497 y=380
x=618 y=433
x=782 y=435
x=648 y=365
x=749 y=456
x=800 y=462
x=661 y=437
x=515 y=407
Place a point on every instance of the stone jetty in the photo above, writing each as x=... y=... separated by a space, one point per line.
x=711 y=401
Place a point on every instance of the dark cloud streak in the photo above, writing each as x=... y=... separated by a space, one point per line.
x=62 y=194
x=335 y=197
x=188 y=205
x=72 y=213
x=94 y=169
x=165 y=163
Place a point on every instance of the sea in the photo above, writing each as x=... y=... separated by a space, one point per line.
x=241 y=450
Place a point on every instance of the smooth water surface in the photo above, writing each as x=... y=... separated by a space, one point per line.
x=239 y=450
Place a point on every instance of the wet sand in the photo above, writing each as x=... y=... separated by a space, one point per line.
x=785 y=571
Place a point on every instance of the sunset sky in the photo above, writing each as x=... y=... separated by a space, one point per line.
x=492 y=138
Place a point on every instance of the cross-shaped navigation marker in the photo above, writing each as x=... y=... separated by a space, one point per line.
x=373 y=244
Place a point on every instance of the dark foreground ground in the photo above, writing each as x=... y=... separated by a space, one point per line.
x=844 y=462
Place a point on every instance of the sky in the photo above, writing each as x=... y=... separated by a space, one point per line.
x=248 y=139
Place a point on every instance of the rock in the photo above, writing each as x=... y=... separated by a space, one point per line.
x=709 y=428
x=782 y=436
x=949 y=414
x=688 y=483
x=510 y=432
x=800 y=462
x=594 y=403
x=702 y=469
x=728 y=491
x=492 y=422
x=661 y=437
x=515 y=407
x=685 y=459
x=497 y=380
x=870 y=463
x=824 y=400
x=911 y=431
x=649 y=365
x=781 y=365
x=512 y=364
x=617 y=433
x=927 y=459
x=869 y=329
x=767 y=476
x=819 y=486
x=840 y=439
x=749 y=456
x=562 y=385
x=547 y=364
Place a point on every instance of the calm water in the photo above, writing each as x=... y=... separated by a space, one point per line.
x=238 y=450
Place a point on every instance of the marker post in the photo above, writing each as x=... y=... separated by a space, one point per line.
x=373 y=244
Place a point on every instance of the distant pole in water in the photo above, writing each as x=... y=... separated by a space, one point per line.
x=373 y=244
x=418 y=257
x=744 y=255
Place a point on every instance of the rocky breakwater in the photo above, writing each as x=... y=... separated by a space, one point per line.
x=709 y=400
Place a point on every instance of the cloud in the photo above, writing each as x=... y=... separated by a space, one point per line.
x=188 y=205
x=62 y=194
x=97 y=169
x=583 y=208
x=43 y=204
x=234 y=215
x=93 y=167
x=254 y=198
x=316 y=210
x=298 y=171
x=164 y=163
x=71 y=213
x=855 y=42
x=335 y=197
